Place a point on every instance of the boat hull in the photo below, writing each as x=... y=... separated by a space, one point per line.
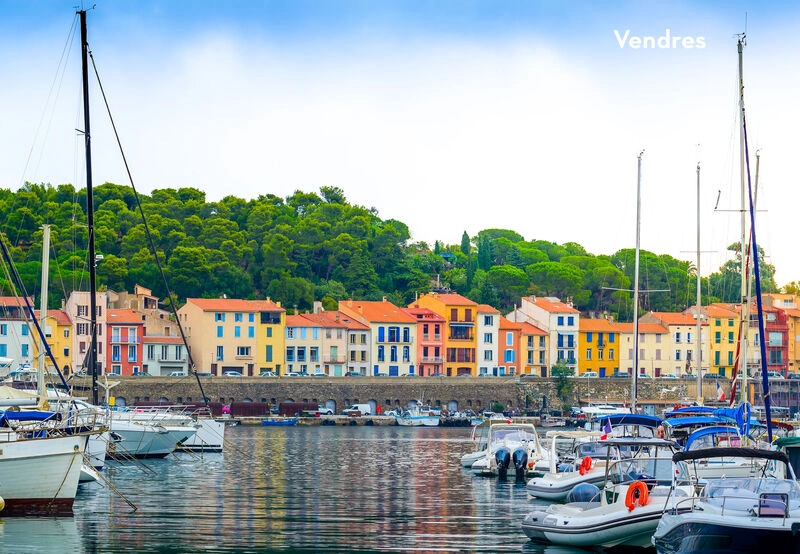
x=57 y=465
x=701 y=537
x=209 y=437
x=146 y=441
x=418 y=421
x=556 y=487
x=279 y=422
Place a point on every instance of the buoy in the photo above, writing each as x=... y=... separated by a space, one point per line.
x=637 y=495
x=586 y=465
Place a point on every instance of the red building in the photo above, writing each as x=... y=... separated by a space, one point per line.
x=776 y=329
x=124 y=342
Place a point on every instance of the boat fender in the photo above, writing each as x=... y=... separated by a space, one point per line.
x=637 y=495
x=586 y=465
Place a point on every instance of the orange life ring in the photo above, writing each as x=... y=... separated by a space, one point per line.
x=586 y=465
x=637 y=495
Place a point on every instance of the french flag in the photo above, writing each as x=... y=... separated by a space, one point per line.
x=606 y=430
x=720 y=393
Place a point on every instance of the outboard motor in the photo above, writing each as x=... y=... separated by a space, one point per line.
x=503 y=459
x=520 y=458
x=584 y=492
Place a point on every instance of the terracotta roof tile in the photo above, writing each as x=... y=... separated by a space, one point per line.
x=234 y=305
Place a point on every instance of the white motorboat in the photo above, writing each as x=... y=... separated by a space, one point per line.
x=511 y=445
x=479 y=441
x=584 y=463
x=626 y=510
x=145 y=434
x=760 y=513
x=419 y=415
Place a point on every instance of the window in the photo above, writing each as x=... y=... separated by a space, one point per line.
x=251 y=332
x=82 y=328
x=716 y=357
x=238 y=317
x=24 y=350
x=178 y=352
x=237 y=331
x=775 y=339
x=658 y=339
x=251 y=318
x=588 y=353
x=83 y=311
x=243 y=351
x=394 y=334
x=290 y=332
x=488 y=320
x=509 y=356
x=132 y=354
x=560 y=320
x=600 y=353
x=269 y=332
x=730 y=337
x=453 y=314
x=4 y=329
x=611 y=354
x=301 y=354
x=717 y=337
x=658 y=354
x=219 y=316
x=393 y=353
x=688 y=337
x=677 y=355
x=66 y=333
x=313 y=353
x=290 y=353
x=381 y=354
x=570 y=321
x=730 y=358
x=221 y=353
x=24 y=330
x=510 y=338
x=269 y=353
x=487 y=338
x=151 y=352
x=589 y=337
x=406 y=334
x=487 y=355
x=219 y=331
x=406 y=354
x=116 y=356
x=677 y=338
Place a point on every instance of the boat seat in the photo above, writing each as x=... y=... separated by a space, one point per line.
x=663 y=490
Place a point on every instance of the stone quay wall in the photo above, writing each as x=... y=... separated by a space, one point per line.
x=461 y=393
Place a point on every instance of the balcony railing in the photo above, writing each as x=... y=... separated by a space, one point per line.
x=337 y=360
x=433 y=360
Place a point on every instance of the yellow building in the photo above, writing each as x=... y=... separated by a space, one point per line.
x=226 y=334
x=654 y=350
x=598 y=346
x=461 y=340
x=723 y=330
x=58 y=331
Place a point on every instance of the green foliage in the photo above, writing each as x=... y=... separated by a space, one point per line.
x=564 y=385
x=316 y=246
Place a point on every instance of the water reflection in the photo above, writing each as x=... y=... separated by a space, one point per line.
x=300 y=489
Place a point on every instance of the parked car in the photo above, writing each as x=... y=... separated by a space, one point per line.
x=267 y=374
x=293 y=374
x=320 y=374
x=645 y=376
x=323 y=410
x=668 y=376
x=233 y=374
x=715 y=376
x=589 y=374
x=141 y=374
x=774 y=374
x=621 y=375
x=352 y=374
x=177 y=374
x=793 y=375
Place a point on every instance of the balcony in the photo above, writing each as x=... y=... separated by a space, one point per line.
x=433 y=360
x=337 y=360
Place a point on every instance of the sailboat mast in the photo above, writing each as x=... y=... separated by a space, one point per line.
x=87 y=137
x=697 y=344
x=635 y=376
x=744 y=326
x=40 y=388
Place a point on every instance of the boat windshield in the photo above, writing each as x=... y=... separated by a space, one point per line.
x=651 y=470
x=512 y=435
x=748 y=488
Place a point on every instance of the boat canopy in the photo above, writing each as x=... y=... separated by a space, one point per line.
x=630 y=419
x=729 y=452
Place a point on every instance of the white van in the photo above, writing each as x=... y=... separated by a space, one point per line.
x=365 y=409
x=177 y=374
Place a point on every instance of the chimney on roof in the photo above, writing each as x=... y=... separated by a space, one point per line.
x=384 y=299
x=318 y=307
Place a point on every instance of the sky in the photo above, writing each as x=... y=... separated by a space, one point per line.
x=449 y=115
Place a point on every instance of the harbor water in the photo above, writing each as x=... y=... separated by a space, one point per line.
x=294 y=489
